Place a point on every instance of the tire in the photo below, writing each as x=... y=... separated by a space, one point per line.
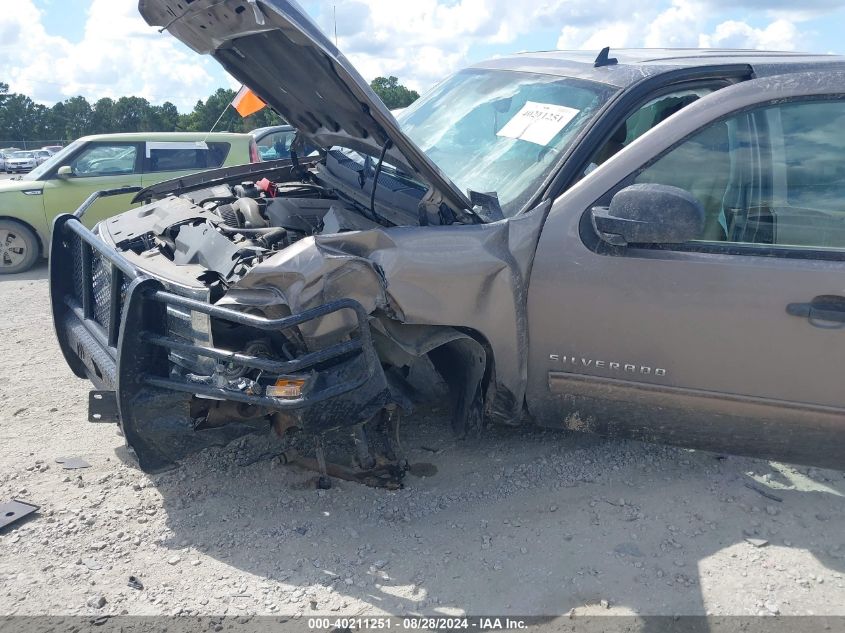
x=19 y=248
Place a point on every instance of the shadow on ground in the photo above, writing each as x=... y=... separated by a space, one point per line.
x=37 y=272
x=519 y=522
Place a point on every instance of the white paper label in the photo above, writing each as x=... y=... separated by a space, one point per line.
x=538 y=122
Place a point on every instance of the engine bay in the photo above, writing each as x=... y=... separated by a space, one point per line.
x=219 y=233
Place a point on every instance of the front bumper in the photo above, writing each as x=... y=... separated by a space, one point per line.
x=111 y=320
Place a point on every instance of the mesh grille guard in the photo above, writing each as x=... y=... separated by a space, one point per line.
x=109 y=319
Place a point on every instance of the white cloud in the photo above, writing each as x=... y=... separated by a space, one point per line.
x=779 y=35
x=682 y=24
x=423 y=41
x=677 y=26
x=118 y=55
x=613 y=34
x=420 y=41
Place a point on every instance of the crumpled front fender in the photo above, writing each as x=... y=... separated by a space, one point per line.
x=460 y=276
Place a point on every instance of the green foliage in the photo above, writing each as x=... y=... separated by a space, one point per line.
x=206 y=113
x=22 y=119
x=394 y=94
x=72 y=118
x=102 y=116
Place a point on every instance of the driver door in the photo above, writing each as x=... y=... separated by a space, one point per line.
x=733 y=340
x=98 y=165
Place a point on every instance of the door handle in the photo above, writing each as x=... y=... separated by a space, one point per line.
x=824 y=311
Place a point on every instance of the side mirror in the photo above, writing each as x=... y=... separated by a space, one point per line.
x=64 y=171
x=649 y=214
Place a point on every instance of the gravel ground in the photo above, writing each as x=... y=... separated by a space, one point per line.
x=520 y=521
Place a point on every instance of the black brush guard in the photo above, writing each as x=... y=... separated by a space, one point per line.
x=111 y=322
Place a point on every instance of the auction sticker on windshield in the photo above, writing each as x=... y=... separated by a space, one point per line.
x=538 y=122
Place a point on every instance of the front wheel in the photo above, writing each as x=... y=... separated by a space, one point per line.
x=18 y=247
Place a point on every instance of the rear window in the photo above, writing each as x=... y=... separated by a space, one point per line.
x=186 y=158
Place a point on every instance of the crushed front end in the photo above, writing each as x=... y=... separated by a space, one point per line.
x=272 y=296
x=180 y=373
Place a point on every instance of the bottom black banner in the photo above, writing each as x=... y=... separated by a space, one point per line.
x=340 y=624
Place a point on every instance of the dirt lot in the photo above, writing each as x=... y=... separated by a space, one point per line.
x=520 y=522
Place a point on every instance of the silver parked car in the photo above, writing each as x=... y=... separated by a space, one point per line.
x=21 y=161
x=42 y=155
x=5 y=153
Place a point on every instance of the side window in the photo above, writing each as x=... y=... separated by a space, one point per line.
x=276 y=145
x=105 y=159
x=184 y=156
x=646 y=117
x=773 y=175
x=813 y=159
x=217 y=153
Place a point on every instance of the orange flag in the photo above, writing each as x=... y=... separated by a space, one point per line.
x=246 y=102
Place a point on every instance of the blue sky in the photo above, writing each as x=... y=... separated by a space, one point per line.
x=55 y=49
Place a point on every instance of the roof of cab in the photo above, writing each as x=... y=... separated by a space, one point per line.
x=636 y=63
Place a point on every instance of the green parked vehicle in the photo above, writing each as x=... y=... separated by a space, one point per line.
x=105 y=161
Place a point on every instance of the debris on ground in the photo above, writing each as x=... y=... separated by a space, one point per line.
x=763 y=492
x=97 y=601
x=15 y=510
x=92 y=564
x=72 y=463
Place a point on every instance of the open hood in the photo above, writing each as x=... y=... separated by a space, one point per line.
x=273 y=47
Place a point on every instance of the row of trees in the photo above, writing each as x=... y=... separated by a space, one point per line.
x=23 y=119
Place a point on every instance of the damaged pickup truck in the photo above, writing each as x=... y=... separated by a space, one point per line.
x=519 y=244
